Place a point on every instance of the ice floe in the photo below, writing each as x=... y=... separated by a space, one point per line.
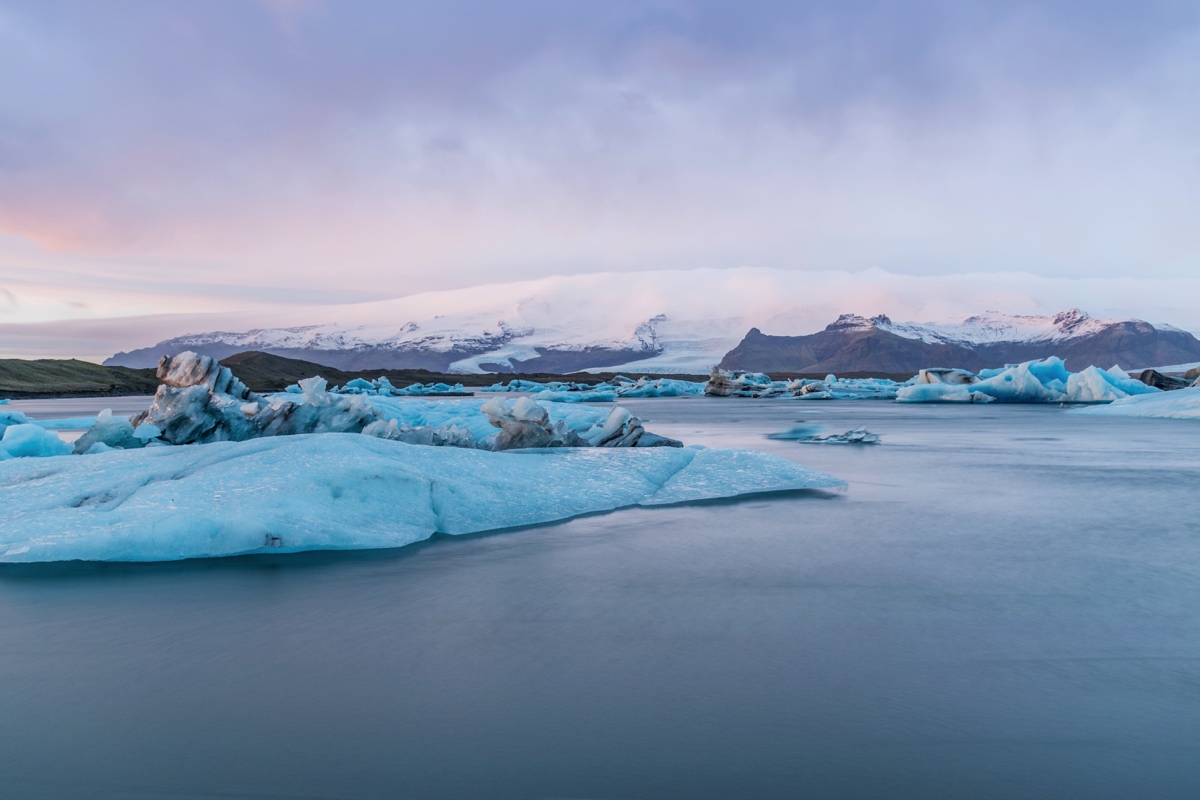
x=660 y=387
x=812 y=434
x=585 y=396
x=341 y=491
x=382 y=386
x=737 y=383
x=522 y=385
x=605 y=392
x=1178 y=404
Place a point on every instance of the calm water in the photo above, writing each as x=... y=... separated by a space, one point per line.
x=1005 y=603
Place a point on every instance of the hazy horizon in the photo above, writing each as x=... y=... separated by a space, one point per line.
x=609 y=307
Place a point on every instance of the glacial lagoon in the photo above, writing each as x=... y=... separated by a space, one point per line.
x=1002 y=604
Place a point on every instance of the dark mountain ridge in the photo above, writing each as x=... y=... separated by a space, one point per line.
x=857 y=344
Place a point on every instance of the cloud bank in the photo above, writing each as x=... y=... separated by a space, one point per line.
x=235 y=155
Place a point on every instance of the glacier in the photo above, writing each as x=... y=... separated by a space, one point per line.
x=661 y=321
x=341 y=492
x=1178 y=404
x=1044 y=380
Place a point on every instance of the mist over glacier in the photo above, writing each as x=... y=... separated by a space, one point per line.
x=704 y=311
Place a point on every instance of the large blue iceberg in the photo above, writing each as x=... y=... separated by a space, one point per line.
x=341 y=492
x=213 y=469
x=1042 y=381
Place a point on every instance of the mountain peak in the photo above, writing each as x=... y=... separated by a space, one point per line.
x=849 y=322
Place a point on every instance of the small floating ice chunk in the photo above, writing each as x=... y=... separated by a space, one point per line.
x=10 y=416
x=589 y=396
x=113 y=432
x=26 y=440
x=857 y=436
x=804 y=430
x=941 y=393
x=811 y=434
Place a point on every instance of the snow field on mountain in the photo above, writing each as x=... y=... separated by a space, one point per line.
x=684 y=321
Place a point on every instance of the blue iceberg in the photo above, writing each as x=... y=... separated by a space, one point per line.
x=341 y=492
x=1044 y=380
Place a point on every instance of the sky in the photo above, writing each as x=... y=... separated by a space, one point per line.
x=161 y=156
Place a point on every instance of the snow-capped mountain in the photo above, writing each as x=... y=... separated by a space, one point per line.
x=660 y=321
x=877 y=344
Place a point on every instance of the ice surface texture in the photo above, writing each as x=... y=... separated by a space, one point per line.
x=1042 y=381
x=341 y=491
x=1179 y=404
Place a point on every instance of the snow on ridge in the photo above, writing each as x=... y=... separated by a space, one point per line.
x=686 y=320
x=993 y=327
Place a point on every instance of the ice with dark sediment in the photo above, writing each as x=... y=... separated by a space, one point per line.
x=293 y=471
x=200 y=402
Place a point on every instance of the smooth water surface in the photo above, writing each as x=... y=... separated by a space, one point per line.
x=1005 y=603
